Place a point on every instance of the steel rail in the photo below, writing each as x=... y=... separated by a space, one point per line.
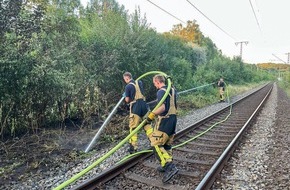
x=210 y=177
x=112 y=172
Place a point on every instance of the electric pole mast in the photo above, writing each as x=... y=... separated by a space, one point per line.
x=288 y=60
x=241 y=47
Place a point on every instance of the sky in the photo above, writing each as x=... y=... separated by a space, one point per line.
x=263 y=24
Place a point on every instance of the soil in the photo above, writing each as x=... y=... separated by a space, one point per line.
x=34 y=153
x=42 y=151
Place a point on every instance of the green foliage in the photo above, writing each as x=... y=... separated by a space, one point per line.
x=285 y=82
x=182 y=72
x=59 y=60
x=197 y=99
x=211 y=49
x=233 y=71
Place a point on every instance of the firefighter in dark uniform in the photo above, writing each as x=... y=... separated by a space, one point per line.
x=164 y=130
x=221 y=86
x=138 y=108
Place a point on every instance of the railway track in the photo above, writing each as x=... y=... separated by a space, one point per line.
x=210 y=143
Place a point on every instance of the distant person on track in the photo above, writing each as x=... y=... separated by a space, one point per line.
x=221 y=86
x=164 y=130
x=138 y=108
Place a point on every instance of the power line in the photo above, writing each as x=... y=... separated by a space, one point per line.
x=210 y=20
x=278 y=58
x=185 y=22
x=255 y=16
x=166 y=11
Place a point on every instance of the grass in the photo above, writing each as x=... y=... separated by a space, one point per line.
x=205 y=97
x=118 y=128
x=285 y=86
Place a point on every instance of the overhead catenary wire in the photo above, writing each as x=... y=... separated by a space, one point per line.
x=211 y=20
x=279 y=58
x=198 y=11
x=166 y=12
x=254 y=12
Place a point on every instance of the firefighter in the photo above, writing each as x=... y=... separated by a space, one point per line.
x=221 y=86
x=164 y=129
x=138 y=108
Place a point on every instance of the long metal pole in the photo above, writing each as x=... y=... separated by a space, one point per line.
x=104 y=124
x=114 y=110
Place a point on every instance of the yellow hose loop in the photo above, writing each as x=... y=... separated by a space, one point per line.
x=189 y=140
x=94 y=164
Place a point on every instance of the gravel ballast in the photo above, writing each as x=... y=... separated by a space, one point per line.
x=262 y=162
x=266 y=140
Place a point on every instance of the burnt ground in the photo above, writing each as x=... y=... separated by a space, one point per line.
x=36 y=153
x=46 y=150
x=39 y=152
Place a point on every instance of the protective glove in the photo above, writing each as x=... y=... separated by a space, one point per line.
x=150 y=117
x=124 y=95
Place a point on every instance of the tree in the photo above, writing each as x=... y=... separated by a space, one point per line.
x=190 y=33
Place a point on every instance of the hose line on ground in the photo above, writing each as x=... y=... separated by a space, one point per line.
x=94 y=164
x=189 y=140
x=215 y=124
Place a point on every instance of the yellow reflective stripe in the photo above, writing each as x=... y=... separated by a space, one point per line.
x=149 y=131
x=134 y=138
x=167 y=156
x=160 y=155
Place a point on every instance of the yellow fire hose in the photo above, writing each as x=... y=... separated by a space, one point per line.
x=94 y=164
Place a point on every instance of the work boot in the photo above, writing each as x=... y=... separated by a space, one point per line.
x=170 y=171
x=160 y=169
x=132 y=149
